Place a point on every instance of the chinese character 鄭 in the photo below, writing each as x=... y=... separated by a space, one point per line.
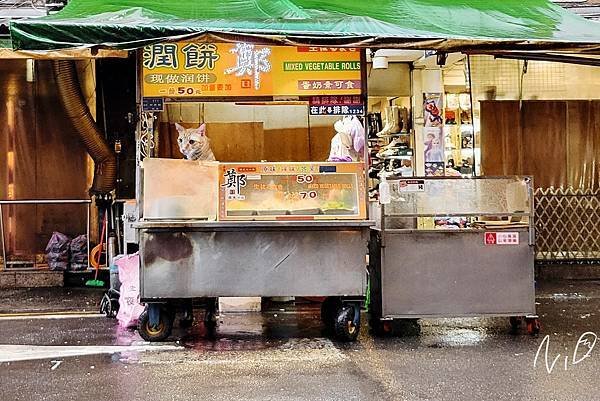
x=200 y=56
x=234 y=184
x=160 y=55
x=250 y=62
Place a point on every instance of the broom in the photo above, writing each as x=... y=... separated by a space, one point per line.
x=96 y=263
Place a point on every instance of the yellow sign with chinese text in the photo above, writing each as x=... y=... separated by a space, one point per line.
x=292 y=191
x=189 y=69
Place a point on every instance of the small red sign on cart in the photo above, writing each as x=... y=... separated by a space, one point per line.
x=501 y=238
x=490 y=238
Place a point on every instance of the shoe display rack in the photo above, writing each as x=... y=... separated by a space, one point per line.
x=391 y=145
x=458 y=133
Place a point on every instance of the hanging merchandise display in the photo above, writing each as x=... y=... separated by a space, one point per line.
x=458 y=135
x=433 y=134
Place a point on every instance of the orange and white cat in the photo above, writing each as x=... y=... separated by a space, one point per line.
x=193 y=143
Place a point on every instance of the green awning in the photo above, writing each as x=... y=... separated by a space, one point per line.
x=5 y=43
x=423 y=24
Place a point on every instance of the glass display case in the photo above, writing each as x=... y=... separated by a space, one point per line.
x=180 y=189
x=292 y=191
x=428 y=203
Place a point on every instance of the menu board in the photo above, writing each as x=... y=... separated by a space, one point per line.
x=198 y=69
x=292 y=191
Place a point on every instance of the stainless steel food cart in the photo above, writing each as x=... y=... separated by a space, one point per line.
x=203 y=260
x=202 y=239
x=454 y=247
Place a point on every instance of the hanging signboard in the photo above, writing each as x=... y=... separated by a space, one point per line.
x=190 y=69
x=336 y=106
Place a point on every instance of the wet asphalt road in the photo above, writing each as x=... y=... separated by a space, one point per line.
x=283 y=355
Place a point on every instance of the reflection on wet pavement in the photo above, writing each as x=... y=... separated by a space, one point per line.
x=283 y=354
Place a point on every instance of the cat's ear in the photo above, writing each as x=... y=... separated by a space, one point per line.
x=180 y=129
x=202 y=130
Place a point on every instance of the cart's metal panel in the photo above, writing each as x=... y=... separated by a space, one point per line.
x=300 y=262
x=453 y=273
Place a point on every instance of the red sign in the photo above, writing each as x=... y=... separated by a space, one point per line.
x=490 y=238
x=501 y=238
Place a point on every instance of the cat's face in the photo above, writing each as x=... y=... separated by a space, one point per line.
x=192 y=141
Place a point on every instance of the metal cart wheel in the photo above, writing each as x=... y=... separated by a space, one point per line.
x=187 y=320
x=515 y=323
x=210 y=314
x=109 y=305
x=347 y=323
x=158 y=330
x=406 y=327
x=533 y=326
x=329 y=311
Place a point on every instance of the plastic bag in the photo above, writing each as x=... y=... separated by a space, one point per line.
x=79 y=256
x=57 y=251
x=130 y=308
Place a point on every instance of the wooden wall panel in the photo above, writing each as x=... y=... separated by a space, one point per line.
x=500 y=137
x=287 y=145
x=21 y=106
x=49 y=160
x=60 y=162
x=544 y=152
x=320 y=142
x=248 y=141
x=583 y=143
x=559 y=141
x=230 y=142
x=236 y=142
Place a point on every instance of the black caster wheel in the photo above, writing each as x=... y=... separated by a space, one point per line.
x=109 y=306
x=210 y=315
x=114 y=308
x=347 y=323
x=329 y=310
x=186 y=322
x=406 y=327
x=515 y=323
x=533 y=326
x=158 y=332
x=210 y=320
x=379 y=328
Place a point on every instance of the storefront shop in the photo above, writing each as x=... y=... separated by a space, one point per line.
x=279 y=204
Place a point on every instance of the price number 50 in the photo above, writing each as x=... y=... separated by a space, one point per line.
x=304 y=179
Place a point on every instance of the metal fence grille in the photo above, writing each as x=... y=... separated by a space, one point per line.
x=567 y=224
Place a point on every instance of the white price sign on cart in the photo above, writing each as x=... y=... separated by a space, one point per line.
x=501 y=238
x=411 y=185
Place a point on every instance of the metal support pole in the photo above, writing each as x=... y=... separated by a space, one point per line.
x=87 y=229
x=2 y=239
